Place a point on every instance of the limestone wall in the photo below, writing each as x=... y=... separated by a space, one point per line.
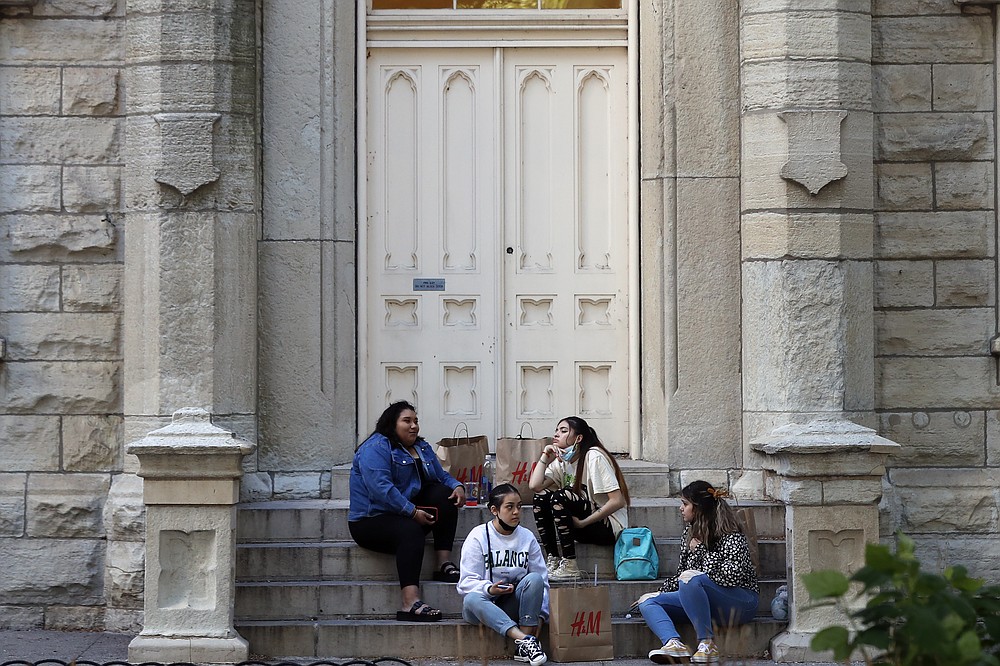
x=61 y=249
x=936 y=276
x=60 y=305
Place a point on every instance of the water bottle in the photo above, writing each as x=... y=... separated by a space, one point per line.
x=486 y=479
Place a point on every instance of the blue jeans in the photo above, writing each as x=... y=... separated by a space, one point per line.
x=520 y=607
x=699 y=601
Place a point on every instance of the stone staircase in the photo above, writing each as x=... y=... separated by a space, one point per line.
x=305 y=589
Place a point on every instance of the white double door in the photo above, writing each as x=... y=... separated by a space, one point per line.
x=497 y=238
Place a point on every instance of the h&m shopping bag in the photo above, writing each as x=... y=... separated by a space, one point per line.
x=463 y=456
x=516 y=458
x=580 y=624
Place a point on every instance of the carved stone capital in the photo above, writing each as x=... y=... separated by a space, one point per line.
x=829 y=448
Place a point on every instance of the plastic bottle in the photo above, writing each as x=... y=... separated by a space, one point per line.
x=486 y=479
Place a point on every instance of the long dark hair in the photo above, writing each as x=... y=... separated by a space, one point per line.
x=713 y=517
x=386 y=424
x=588 y=441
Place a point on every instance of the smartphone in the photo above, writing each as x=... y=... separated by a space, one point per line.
x=431 y=510
x=505 y=586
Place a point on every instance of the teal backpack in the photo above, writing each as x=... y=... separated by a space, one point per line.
x=635 y=555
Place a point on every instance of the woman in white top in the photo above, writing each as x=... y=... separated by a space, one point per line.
x=503 y=580
x=580 y=495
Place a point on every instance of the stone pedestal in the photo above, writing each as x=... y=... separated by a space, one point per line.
x=191 y=471
x=828 y=472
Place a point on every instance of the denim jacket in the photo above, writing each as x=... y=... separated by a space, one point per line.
x=384 y=477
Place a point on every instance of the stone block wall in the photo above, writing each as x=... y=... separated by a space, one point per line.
x=936 y=276
x=60 y=306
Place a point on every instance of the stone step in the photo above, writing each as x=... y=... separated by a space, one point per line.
x=644 y=479
x=345 y=560
x=316 y=600
x=455 y=639
x=326 y=520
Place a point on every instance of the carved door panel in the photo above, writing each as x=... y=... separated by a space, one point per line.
x=431 y=246
x=566 y=278
x=497 y=255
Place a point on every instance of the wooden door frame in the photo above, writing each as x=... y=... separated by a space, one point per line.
x=462 y=33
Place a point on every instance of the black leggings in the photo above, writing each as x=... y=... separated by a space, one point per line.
x=404 y=537
x=554 y=511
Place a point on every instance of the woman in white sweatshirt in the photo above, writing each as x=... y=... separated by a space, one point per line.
x=504 y=582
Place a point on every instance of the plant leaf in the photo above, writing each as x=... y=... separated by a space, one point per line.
x=832 y=638
x=969 y=646
x=992 y=625
x=821 y=584
x=875 y=636
x=880 y=558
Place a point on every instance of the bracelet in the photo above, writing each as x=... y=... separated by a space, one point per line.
x=542 y=460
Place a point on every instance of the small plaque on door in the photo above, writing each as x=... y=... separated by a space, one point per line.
x=428 y=284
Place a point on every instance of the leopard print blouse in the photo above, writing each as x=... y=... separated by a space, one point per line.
x=728 y=564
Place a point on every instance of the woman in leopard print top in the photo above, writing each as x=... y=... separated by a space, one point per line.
x=715 y=579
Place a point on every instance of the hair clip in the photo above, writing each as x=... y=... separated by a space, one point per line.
x=716 y=493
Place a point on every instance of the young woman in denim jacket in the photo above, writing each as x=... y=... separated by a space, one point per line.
x=399 y=493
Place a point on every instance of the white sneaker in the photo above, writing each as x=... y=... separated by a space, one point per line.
x=529 y=650
x=671 y=652
x=552 y=562
x=567 y=570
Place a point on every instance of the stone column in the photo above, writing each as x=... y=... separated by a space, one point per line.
x=807 y=247
x=190 y=182
x=191 y=483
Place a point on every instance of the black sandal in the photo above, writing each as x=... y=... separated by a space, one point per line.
x=448 y=573
x=419 y=612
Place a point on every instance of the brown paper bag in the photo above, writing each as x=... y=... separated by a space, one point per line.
x=580 y=624
x=463 y=456
x=516 y=458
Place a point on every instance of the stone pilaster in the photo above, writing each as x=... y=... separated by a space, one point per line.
x=191 y=483
x=807 y=201
x=191 y=205
x=807 y=248
x=689 y=198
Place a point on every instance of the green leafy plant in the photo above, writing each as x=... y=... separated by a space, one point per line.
x=910 y=617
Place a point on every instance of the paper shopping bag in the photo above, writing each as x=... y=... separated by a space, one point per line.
x=580 y=624
x=516 y=458
x=463 y=456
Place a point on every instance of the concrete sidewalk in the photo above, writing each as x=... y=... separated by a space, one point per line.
x=37 y=645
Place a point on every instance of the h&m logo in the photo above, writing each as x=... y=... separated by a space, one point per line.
x=464 y=474
x=522 y=473
x=586 y=623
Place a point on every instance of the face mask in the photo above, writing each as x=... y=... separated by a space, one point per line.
x=568 y=453
x=504 y=526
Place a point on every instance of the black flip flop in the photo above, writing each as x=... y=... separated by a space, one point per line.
x=449 y=573
x=419 y=612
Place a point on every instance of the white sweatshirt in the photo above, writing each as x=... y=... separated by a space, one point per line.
x=514 y=555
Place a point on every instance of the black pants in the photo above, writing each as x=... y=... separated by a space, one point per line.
x=554 y=511
x=404 y=537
